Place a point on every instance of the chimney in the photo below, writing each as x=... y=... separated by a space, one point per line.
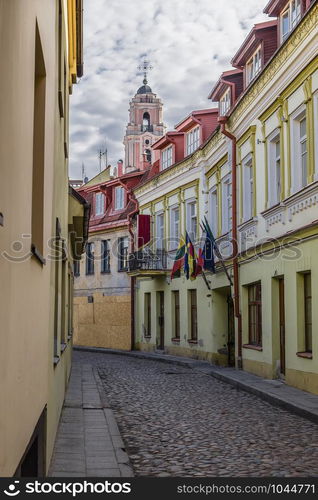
x=120 y=168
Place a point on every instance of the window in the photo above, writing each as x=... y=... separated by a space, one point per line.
x=90 y=258
x=299 y=150
x=255 y=314
x=274 y=170
x=174 y=227
x=248 y=189
x=148 y=155
x=176 y=313
x=192 y=222
x=119 y=198
x=37 y=213
x=99 y=204
x=290 y=18
x=76 y=268
x=105 y=254
x=303 y=150
x=308 y=312
x=123 y=254
x=225 y=102
x=254 y=65
x=214 y=217
x=166 y=158
x=160 y=221
x=226 y=205
x=146 y=122
x=193 y=315
x=147 y=320
x=193 y=140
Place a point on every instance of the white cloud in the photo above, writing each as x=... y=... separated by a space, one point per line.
x=189 y=42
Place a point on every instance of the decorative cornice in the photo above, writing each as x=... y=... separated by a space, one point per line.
x=308 y=24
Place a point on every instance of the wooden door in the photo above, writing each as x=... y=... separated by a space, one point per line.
x=282 y=325
x=161 y=320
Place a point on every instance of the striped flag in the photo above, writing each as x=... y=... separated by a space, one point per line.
x=179 y=259
x=190 y=263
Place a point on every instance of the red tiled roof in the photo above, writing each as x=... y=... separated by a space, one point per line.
x=251 y=42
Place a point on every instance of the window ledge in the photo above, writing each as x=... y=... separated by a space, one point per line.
x=147 y=336
x=63 y=347
x=307 y=355
x=105 y=272
x=175 y=339
x=37 y=254
x=253 y=347
x=56 y=360
x=190 y=341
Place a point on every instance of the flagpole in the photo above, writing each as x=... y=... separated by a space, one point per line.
x=218 y=253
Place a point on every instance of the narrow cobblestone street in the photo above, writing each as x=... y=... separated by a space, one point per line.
x=176 y=421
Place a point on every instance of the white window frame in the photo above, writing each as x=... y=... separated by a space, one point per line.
x=119 y=200
x=174 y=226
x=254 y=65
x=225 y=102
x=274 y=168
x=166 y=157
x=214 y=210
x=248 y=187
x=193 y=140
x=192 y=219
x=296 y=141
x=160 y=230
x=293 y=13
x=226 y=204
x=99 y=204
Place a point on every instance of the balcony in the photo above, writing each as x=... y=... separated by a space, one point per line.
x=147 y=262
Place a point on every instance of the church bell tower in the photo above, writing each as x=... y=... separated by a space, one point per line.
x=145 y=126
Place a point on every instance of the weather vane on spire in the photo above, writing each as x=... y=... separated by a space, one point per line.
x=145 y=67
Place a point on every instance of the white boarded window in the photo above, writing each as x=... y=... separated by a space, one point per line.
x=191 y=211
x=274 y=169
x=248 y=188
x=226 y=205
x=214 y=219
x=119 y=198
x=99 y=204
x=193 y=140
x=225 y=102
x=174 y=227
x=160 y=230
x=166 y=157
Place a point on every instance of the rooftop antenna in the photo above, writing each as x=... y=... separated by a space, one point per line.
x=102 y=154
x=83 y=171
x=145 y=67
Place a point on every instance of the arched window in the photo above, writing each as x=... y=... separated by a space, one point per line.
x=146 y=121
x=148 y=153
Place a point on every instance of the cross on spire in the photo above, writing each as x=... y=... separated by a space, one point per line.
x=145 y=67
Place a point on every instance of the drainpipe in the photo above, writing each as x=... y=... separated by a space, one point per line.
x=130 y=215
x=222 y=120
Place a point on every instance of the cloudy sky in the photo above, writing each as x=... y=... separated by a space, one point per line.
x=189 y=43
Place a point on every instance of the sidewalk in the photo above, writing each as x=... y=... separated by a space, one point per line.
x=88 y=442
x=275 y=392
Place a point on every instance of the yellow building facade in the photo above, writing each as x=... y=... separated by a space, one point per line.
x=42 y=225
x=275 y=127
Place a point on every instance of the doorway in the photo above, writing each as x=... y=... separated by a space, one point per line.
x=161 y=320
x=282 y=326
x=230 y=332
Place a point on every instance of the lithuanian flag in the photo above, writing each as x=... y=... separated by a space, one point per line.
x=179 y=259
x=190 y=262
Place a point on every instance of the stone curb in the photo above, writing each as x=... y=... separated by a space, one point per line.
x=307 y=409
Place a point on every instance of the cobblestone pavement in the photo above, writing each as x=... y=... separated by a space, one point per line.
x=179 y=422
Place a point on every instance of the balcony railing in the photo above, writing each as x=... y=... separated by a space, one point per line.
x=148 y=260
x=147 y=128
